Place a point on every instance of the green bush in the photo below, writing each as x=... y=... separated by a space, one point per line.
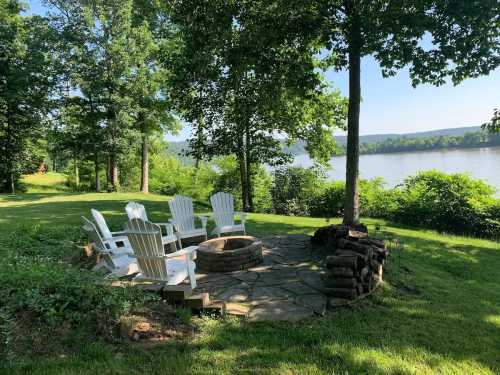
x=375 y=201
x=453 y=203
x=169 y=176
x=296 y=190
x=227 y=179
x=46 y=300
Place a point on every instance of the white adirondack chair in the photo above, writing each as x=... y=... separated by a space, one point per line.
x=223 y=212
x=154 y=264
x=115 y=237
x=117 y=260
x=183 y=219
x=138 y=211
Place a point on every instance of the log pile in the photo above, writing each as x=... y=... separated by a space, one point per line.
x=356 y=263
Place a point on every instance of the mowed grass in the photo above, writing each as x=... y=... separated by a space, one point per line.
x=437 y=312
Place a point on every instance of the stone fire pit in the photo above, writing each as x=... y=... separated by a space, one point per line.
x=226 y=254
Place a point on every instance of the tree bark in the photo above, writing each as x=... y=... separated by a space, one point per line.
x=248 y=170
x=108 y=174
x=77 y=173
x=351 y=206
x=12 y=183
x=243 y=179
x=145 y=164
x=199 y=142
x=96 y=171
x=113 y=173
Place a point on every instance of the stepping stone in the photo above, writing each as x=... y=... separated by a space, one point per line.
x=279 y=311
x=269 y=293
x=234 y=295
x=248 y=277
x=277 y=277
x=215 y=308
x=299 y=288
x=311 y=278
x=197 y=301
x=176 y=293
x=237 y=309
x=317 y=302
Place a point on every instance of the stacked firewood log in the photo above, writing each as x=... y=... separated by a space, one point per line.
x=356 y=263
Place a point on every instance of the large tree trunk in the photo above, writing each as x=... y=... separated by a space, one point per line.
x=113 y=173
x=199 y=142
x=145 y=164
x=96 y=171
x=108 y=174
x=249 y=170
x=77 y=173
x=243 y=180
x=12 y=183
x=351 y=207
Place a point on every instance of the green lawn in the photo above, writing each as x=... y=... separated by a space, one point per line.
x=438 y=312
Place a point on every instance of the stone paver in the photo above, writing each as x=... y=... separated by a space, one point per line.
x=286 y=286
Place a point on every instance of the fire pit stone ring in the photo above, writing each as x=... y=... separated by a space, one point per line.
x=226 y=254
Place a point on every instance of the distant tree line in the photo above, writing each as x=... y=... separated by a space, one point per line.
x=404 y=144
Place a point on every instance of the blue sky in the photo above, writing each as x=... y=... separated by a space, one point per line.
x=392 y=105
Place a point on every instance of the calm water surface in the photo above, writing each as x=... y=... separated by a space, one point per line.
x=483 y=163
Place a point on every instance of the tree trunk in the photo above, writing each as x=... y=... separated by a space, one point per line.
x=249 y=170
x=96 y=171
x=243 y=179
x=77 y=174
x=108 y=174
x=145 y=164
x=351 y=207
x=113 y=172
x=12 y=183
x=199 y=142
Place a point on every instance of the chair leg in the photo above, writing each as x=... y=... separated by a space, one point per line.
x=180 y=243
x=192 y=276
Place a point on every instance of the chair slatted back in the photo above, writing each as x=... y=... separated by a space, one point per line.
x=182 y=213
x=136 y=211
x=146 y=240
x=101 y=223
x=96 y=239
x=223 y=207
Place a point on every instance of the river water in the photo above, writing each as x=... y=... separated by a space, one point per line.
x=483 y=163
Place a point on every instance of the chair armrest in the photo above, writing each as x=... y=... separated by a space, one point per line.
x=172 y=221
x=242 y=215
x=185 y=251
x=122 y=251
x=169 y=227
x=118 y=234
x=203 y=219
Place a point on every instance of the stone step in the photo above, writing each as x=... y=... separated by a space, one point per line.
x=216 y=307
x=197 y=301
x=176 y=293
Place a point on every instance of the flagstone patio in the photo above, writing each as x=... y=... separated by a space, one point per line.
x=286 y=286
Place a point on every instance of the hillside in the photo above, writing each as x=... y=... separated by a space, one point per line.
x=177 y=148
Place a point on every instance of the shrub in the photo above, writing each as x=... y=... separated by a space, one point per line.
x=168 y=176
x=452 y=203
x=375 y=201
x=227 y=179
x=46 y=301
x=296 y=190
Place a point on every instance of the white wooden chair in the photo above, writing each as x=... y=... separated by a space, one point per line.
x=183 y=217
x=154 y=264
x=116 y=260
x=138 y=211
x=106 y=234
x=223 y=212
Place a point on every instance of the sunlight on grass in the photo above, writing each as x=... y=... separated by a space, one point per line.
x=437 y=312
